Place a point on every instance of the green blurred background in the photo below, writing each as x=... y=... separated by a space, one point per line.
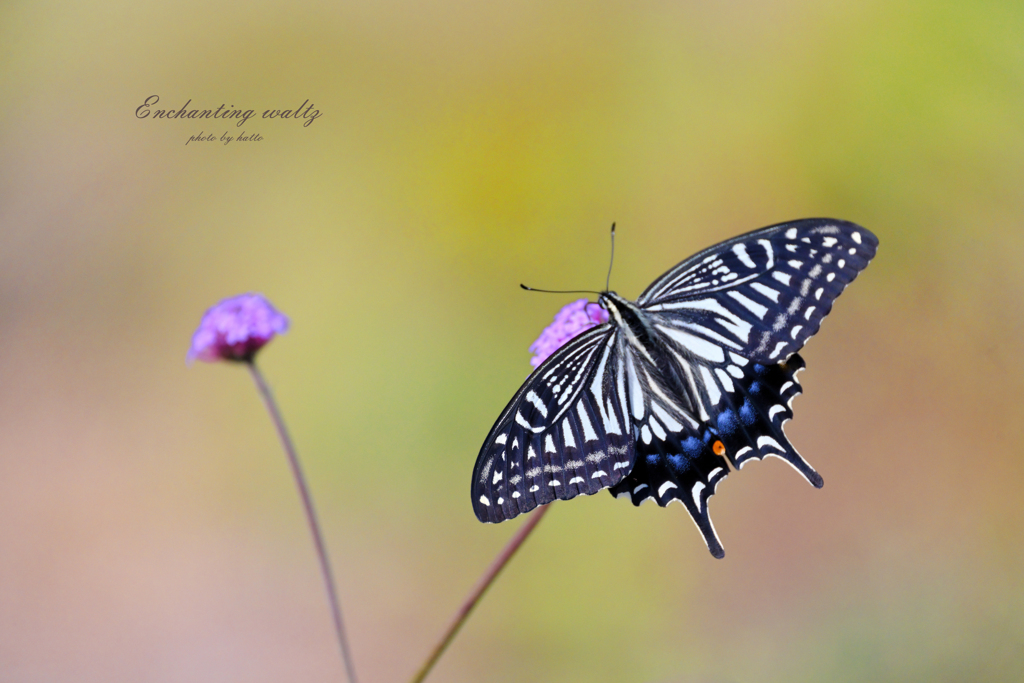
x=151 y=531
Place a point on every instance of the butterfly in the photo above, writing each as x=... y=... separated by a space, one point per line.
x=695 y=377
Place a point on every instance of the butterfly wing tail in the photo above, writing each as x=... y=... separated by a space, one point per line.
x=683 y=467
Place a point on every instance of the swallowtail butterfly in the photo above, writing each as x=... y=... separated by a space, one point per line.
x=695 y=377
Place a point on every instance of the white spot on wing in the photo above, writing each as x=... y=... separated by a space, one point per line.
x=588 y=431
x=598 y=474
x=784 y=278
x=576 y=480
x=533 y=398
x=667 y=486
x=767 y=246
x=502 y=438
x=645 y=434
x=497 y=478
x=774 y=410
x=778 y=350
x=567 y=438
x=658 y=430
x=485 y=501
x=697 y=488
x=741 y=253
x=791 y=234
x=636 y=396
x=752 y=306
x=604 y=410
x=521 y=421
x=769 y=292
x=856 y=237
x=763 y=441
x=549 y=444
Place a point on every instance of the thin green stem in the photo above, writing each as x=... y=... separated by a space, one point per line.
x=478 y=591
x=314 y=525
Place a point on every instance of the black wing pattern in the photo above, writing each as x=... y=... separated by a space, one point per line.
x=697 y=375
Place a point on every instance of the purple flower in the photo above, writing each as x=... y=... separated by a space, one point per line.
x=236 y=328
x=573 y=319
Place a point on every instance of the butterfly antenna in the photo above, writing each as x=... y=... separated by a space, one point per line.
x=608 y=280
x=559 y=291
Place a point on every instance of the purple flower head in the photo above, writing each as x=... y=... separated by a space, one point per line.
x=236 y=328
x=573 y=319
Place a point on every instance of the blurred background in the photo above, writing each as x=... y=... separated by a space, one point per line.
x=150 y=527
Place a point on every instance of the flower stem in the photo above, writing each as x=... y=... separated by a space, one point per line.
x=478 y=591
x=314 y=525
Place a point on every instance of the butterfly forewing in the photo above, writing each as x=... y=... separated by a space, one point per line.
x=763 y=294
x=563 y=434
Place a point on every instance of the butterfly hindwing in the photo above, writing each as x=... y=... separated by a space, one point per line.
x=752 y=427
x=678 y=458
x=564 y=433
x=765 y=293
x=675 y=453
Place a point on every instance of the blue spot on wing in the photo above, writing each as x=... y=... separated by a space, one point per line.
x=692 y=446
x=679 y=463
x=747 y=413
x=727 y=422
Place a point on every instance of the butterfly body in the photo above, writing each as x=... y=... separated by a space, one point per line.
x=695 y=377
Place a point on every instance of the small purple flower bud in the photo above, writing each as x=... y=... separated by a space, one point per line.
x=573 y=319
x=236 y=328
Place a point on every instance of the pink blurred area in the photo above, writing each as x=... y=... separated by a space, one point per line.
x=151 y=529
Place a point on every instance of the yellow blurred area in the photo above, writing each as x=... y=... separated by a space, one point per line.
x=151 y=528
